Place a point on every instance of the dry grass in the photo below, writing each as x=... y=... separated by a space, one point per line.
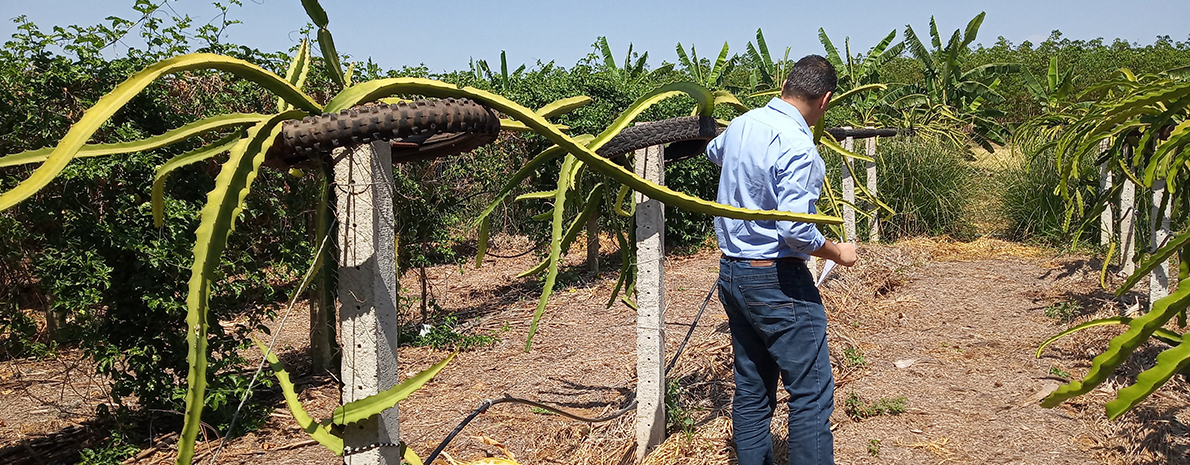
x=710 y=444
x=945 y=249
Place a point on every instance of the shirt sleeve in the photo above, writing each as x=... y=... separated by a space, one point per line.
x=714 y=150
x=794 y=173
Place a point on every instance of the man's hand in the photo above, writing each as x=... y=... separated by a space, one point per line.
x=847 y=255
x=842 y=253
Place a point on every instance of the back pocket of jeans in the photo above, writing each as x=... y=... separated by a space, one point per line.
x=767 y=294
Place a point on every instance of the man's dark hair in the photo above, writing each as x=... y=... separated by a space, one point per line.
x=810 y=78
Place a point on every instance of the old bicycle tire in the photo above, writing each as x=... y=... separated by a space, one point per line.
x=417 y=130
x=687 y=137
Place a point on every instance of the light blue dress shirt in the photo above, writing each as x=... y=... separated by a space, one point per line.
x=769 y=162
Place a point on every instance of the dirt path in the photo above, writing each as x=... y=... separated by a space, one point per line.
x=950 y=331
x=960 y=351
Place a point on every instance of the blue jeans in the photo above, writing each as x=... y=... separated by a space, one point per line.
x=778 y=327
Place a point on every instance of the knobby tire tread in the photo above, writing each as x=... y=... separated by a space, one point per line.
x=687 y=137
x=418 y=129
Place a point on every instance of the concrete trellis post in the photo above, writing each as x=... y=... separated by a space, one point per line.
x=874 y=220
x=650 y=314
x=1106 y=219
x=1159 y=277
x=367 y=292
x=1128 y=222
x=848 y=191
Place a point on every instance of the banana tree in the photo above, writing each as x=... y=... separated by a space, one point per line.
x=947 y=86
x=716 y=75
x=629 y=72
x=767 y=74
x=863 y=70
x=1057 y=89
x=503 y=81
x=1054 y=96
x=1146 y=123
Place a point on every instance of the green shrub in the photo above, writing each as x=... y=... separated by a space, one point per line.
x=88 y=245
x=700 y=178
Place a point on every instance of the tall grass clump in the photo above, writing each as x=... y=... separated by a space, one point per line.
x=924 y=181
x=1032 y=210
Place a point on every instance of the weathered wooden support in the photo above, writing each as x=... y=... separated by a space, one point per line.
x=367 y=293
x=650 y=314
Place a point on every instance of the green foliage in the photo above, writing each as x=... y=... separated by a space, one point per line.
x=679 y=416
x=1064 y=311
x=113 y=451
x=444 y=334
x=874 y=447
x=100 y=264
x=630 y=72
x=351 y=412
x=1138 y=128
x=1162 y=334
x=713 y=76
x=1089 y=62
x=859 y=410
x=699 y=177
x=1057 y=88
x=1055 y=371
x=854 y=357
x=1122 y=346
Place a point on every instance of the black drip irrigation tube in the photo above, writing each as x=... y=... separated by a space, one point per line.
x=485 y=405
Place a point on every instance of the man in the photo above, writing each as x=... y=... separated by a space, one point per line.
x=778 y=325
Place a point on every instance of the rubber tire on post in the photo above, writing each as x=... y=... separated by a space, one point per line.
x=687 y=137
x=420 y=129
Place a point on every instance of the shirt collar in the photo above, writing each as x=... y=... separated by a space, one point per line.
x=790 y=111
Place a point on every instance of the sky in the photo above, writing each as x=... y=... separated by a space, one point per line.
x=445 y=35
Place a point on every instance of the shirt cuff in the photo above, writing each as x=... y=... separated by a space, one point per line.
x=810 y=247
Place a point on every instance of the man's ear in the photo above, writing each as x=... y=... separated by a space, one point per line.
x=825 y=100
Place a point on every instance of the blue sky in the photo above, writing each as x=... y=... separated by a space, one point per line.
x=445 y=35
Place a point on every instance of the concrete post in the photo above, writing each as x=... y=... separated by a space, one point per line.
x=848 y=192
x=1106 y=219
x=1128 y=222
x=367 y=292
x=650 y=314
x=874 y=220
x=1159 y=278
